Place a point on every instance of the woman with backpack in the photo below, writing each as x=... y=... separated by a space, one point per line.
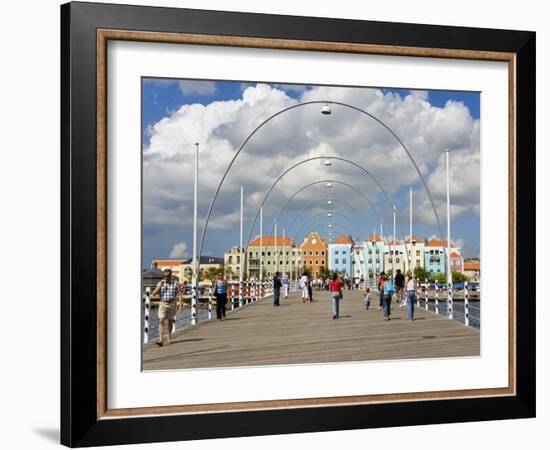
x=389 y=290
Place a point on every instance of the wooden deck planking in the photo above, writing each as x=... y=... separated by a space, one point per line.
x=297 y=333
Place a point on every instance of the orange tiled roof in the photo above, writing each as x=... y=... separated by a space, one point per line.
x=269 y=241
x=343 y=240
x=455 y=255
x=437 y=243
x=471 y=266
x=414 y=238
x=394 y=242
x=374 y=237
x=168 y=262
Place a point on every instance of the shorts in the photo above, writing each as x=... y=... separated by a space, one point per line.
x=167 y=310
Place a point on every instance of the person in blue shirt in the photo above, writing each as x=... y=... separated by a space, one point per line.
x=285 y=285
x=389 y=290
x=220 y=292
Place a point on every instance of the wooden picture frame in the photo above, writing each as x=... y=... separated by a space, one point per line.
x=86 y=419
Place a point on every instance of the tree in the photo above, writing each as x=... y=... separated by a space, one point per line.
x=459 y=277
x=421 y=274
x=441 y=278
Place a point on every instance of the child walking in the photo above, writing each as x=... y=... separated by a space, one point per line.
x=367 y=298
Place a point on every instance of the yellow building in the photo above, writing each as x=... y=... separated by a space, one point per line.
x=315 y=254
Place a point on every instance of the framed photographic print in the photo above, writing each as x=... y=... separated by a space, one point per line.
x=276 y=224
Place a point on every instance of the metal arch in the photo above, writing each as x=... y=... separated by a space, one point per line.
x=311 y=103
x=337 y=158
x=325 y=181
x=319 y=201
x=361 y=234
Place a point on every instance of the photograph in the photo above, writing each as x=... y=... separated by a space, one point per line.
x=282 y=224
x=305 y=223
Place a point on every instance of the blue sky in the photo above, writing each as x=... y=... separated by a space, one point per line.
x=162 y=98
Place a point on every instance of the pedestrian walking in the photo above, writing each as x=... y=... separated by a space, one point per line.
x=389 y=290
x=381 y=289
x=276 y=288
x=399 y=287
x=411 y=298
x=168 y=289
x=356 y=284
x=220 y=292
x=304 y=282
x=285 y=282
x=367 y=298
x=335 y=287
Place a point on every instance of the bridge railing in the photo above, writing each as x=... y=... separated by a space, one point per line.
x=455 y=304
x=238 y=295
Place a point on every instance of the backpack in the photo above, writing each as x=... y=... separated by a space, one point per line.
x=389 y=288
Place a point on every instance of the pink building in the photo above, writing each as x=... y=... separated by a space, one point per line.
x=457 y=263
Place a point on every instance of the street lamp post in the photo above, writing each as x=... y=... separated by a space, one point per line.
x=241 y=253
x=194 y=318
x=449 y=272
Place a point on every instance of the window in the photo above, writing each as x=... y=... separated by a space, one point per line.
x=377 y=252
x=316 y=253
x=370 y=260
x=238 y=259
x=336 y=252
x=316 y=262
x=323 y=253
x=418 y=253
x=397 y=260
x=343 y=261
x=268 y=253
x=336 y=261
x=343 y=252
x=417 y=262
x=310 y=253
x=229 y=260
x=370 y=252
x=310 y=262
x=362 y=262
x=263 y=253
x=357 y=252
x=268 y=263
x=377 y=261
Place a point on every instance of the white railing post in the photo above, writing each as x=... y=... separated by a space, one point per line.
x=426 y=295
x=466 y=305
x=209 y=302
x=232 y=296
x=436 y=299
x=450 y=301
x=194 y=291
x=240 y=293
x=146 y=315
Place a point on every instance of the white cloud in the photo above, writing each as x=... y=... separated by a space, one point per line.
x=422 y=95
x=179 y=250
x=221 y=127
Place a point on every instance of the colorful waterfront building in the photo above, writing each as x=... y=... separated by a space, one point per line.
x=394 y=257
x=340 y=255
x=416 y=248
x=373 y=254
x=457 y=263
x=314 y=251
x=278 y=254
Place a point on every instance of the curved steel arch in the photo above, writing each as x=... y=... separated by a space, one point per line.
x=323 y=200
x=313 y=158
x=325 y=181
x=324 y=214
x=355 y=108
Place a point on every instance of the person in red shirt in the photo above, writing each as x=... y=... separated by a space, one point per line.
x=335 y=288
